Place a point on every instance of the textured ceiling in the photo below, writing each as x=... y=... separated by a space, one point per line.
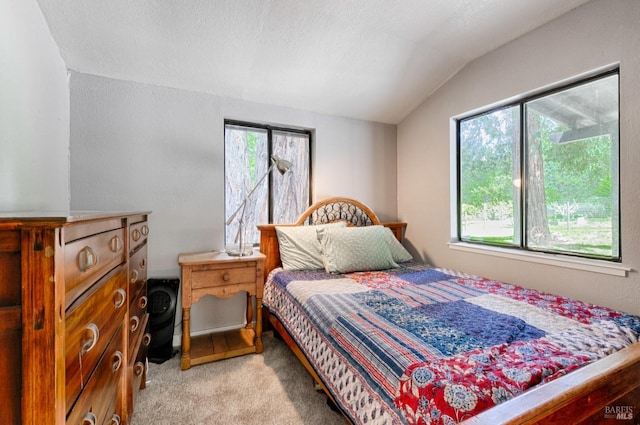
x=368 y=59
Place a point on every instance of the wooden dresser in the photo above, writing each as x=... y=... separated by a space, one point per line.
x=73 y=320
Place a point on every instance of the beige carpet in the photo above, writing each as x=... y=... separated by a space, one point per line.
x=272 y=388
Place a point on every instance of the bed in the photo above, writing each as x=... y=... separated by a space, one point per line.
x=399 y=342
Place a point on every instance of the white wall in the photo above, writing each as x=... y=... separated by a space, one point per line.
x=34 y=112
x=142 y=147
x=599 y=33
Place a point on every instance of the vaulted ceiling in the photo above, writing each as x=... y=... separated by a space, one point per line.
x=367 y=59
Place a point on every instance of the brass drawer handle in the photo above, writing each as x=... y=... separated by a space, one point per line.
x=120 y=297
x=146 y=339
x=87 y=258
x=89 y=419
x=91 y=341
x=115 y=419
x=135 y=235
x=143 y=263
x=145 y=230
x=134 y=276
x=117 y=361
x=143 y=301
x=115 y=244
x=138 y=368
x=135 y=322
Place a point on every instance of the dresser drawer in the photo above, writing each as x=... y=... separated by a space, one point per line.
x=138 y=233
x=138 y=374
x=96 y=403
x=138 y=367
x=113 y=416
x=86 y=260
x=89 y=328
x=138 y=319
x=138 y=269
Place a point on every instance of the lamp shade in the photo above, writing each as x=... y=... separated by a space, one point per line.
x=282 y=165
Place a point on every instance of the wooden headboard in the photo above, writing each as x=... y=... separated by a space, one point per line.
x=330 y=210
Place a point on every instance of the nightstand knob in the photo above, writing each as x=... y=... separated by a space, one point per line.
x=226 y=277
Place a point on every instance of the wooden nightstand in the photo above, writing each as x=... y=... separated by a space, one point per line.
x=220 y=275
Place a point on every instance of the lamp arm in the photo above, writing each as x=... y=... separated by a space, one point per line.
x=246 y=199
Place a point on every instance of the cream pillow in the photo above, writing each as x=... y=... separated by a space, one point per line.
x=299 y=246
x=352 y=249
x=398 y=251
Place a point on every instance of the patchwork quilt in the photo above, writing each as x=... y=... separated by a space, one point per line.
x=421 y=345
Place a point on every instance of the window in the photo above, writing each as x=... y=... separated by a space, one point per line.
x=543 y=174
x=278 y=198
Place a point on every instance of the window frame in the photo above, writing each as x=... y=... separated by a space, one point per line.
x=522 y=246
x=270 y=129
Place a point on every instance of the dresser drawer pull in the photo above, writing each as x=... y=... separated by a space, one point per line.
x=117 y=361
x=87 y=258
x=143 y=263
x=134 y=276
x=115 y=419
x=226 y=277
x=138 y=368
x=135 y=322
x=115 y=244
x=143 y=301
x=120 y=297
x=145 y=230
x=90 y=342
x=135 y=235
x=146 y=339
x=89 y=419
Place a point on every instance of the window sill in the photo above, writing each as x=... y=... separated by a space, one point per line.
x=596 y=266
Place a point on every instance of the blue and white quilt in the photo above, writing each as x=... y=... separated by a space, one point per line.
x=421 y=345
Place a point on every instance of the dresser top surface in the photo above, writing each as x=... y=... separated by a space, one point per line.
x=62 y=217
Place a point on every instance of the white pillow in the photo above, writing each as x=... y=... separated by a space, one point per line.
x=299 y=246
x=352 y=249
x=398 y=251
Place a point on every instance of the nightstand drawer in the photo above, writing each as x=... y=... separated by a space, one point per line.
x=208 y=277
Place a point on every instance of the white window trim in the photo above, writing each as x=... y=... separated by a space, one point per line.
x=557 y=260
x=564 y=261
x=584 y=264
